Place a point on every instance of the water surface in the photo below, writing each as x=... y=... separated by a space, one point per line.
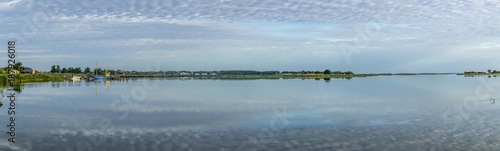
x=375 y=113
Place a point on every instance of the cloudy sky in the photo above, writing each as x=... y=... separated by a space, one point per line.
x=361 y=36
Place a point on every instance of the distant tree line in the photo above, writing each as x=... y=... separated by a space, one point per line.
x=58 y=69
x=99 y=71
x=482 y=72
x=251 y=72
x=327 y=71
x=247 y=72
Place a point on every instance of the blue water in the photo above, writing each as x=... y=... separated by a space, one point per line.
x=443 y=112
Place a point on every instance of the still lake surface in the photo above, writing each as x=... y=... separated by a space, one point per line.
x=443 y=112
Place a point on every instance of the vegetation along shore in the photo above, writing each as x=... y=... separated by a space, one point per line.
x=26 y=74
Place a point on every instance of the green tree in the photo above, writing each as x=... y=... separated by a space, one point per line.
x=349 y=72
x=53 y=69
x=71 y=70
x=327 y=71
x=64 y=70
x=78 y=70
x=99 y=71
x=58 y=69
x=87 y=70
x=18 y=66
x=489 y=70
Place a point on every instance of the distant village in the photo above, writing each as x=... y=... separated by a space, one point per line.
x=19 y=68
x=227 y=72
x=28 y=70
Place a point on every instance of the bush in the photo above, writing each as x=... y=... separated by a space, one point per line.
x=327 y=71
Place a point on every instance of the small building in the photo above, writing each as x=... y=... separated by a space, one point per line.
x=28 y=70
x=14 y=71
x=184 y=73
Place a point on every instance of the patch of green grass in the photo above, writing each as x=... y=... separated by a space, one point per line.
x=22 y=78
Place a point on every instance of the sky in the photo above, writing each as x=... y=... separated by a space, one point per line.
x=285 y=35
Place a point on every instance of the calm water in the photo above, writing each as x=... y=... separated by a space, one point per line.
x=376 y=113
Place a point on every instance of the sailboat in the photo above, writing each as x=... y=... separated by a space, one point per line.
x=94 y=76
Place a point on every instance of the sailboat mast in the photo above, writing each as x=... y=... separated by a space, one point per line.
x=95 y=68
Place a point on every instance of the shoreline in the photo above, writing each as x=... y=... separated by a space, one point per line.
x=56 y=77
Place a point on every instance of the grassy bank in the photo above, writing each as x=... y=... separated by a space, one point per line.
x=22 y=78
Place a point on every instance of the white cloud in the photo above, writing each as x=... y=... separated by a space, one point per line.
x=8 y=5
x=488 y=45
x=251 y=30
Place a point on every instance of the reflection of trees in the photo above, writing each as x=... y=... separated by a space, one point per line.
x=17 y=87
x=56 y=84
x=2 y=88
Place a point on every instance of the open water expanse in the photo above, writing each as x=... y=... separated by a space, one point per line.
x=444 y=112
